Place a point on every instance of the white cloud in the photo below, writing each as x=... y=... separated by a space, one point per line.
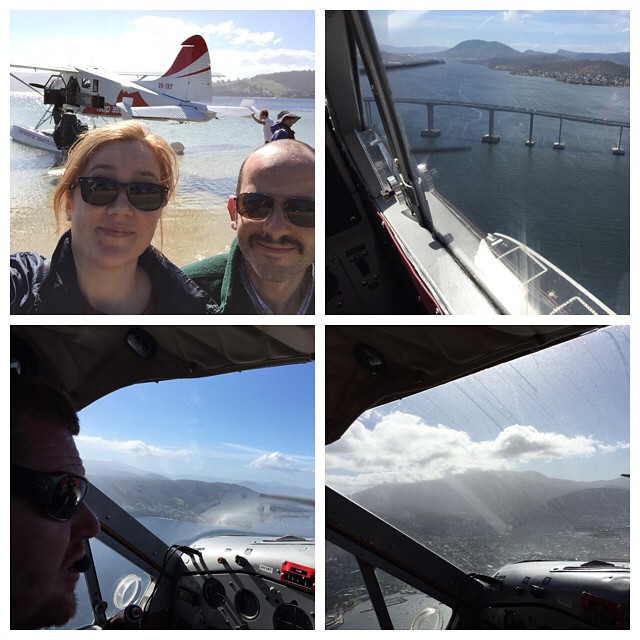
x=248 y=63
x=150 y=44
x=401 y=447
x=130 y=447
x=513 y=17
x=519 y=442
x=399 y=20
x=611 y=448
x=275 y=460
x=237 y=35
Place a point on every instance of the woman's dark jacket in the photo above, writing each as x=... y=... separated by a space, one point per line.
x=40 y=286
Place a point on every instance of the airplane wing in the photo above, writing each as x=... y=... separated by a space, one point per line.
x=232 y=112
x=176 y=112
x=37 y=68
x=245 y=110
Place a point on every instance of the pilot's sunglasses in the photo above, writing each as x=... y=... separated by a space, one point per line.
x=257 y=206
x=145 y=196
x=61 y=494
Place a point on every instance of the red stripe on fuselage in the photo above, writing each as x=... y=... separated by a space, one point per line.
x=138 y=100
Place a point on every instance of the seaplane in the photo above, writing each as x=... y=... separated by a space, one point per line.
x=183 y=94
x=476 y=549
x=137 y=579
x=395 y=244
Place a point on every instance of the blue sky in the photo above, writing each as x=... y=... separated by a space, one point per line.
x=563 y=412
x=254 y=425
x=241 y=43
x=580 y=31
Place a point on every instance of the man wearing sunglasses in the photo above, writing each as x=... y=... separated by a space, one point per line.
x=269 y=268
x=49 y=519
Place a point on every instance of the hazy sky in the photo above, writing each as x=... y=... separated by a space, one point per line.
x=563 y=412
x=241 y=43
x=580 y=31
x=253 y=425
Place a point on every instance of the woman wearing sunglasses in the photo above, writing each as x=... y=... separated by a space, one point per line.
x=117 y=181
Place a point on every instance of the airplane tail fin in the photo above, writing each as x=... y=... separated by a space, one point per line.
x=189 y=77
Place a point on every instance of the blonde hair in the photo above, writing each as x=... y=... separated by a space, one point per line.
x=91 y=142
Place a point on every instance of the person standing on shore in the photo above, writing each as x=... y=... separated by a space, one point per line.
x=282 y=130
x=266 y=123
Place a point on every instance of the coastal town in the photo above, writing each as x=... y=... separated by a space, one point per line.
x=596 y=79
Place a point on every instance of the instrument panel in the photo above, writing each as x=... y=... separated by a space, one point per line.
x=557 y=595
x=240 y=582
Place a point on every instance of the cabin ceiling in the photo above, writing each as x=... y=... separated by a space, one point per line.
x=89 y=362
x=369 y=366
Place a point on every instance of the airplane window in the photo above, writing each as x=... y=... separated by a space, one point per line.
x=539 y=193
x=347 y=603
x=112 y=570
x=201 y=459
x=520 y=462
x=410 y=609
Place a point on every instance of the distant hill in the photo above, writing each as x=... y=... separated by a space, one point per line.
x=623 y=57
x=553 y=63
x=286 y=84
x=498 y=499
x=411 y=49
x=565 y=66
x=213 y=503
x=482 y=50
x=479 y=50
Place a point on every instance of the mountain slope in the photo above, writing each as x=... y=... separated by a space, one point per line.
x=286 y=84
x=214 y=503
x=499 y=499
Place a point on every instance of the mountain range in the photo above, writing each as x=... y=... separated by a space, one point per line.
x=285 y=84
x=217 y=504
x=250 y=506
x=500 y=501
x=483 y=50
x=608 y=69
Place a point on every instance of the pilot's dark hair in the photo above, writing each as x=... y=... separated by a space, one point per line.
x=32 y=399
x=295 y=148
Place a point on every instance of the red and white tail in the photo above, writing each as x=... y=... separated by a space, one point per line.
x=189 y=77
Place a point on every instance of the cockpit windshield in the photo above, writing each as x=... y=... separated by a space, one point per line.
x=519 y=462
x=216 y=456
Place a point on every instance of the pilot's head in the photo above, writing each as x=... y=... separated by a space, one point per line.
x=49 y=519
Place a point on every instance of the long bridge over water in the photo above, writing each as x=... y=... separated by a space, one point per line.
x=492 y=138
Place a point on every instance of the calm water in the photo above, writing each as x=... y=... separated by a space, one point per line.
x=196 y=224
x=571 y=206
